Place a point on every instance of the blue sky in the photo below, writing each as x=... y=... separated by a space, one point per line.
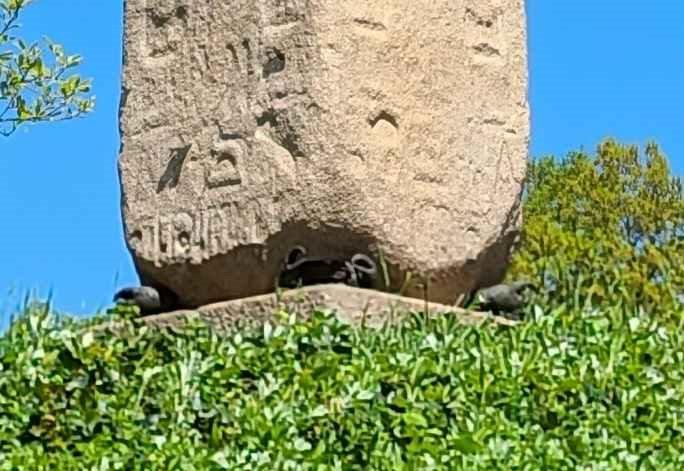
x=597 y=68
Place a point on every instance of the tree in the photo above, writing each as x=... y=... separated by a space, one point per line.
x=35 y=83
x=605 y=229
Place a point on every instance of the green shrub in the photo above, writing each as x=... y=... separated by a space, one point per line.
x=605 y=230
x=570 y=389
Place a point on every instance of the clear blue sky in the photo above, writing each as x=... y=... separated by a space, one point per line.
x=597 y=68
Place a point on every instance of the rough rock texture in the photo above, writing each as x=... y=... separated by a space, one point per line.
x=249 y=126
x=353 y=305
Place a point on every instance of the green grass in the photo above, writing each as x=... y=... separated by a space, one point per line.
x=566 y=390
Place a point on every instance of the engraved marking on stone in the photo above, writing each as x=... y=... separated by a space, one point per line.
x=427 y=177
x=160 y=19
x=370 y=28
x=499 y=123
x=234 y=54
x=218 y=223
x=227 y=135
x=161 y=30
x=486 y=49
x=485 y=21
x=275 y=62
x=283 y=160
x=183 y=225
x=227 y=153
x=483 y=33
x=207 y=58
x=249 y=55
x=386 y=117
x=172 y=174
x=494 y=121
x=267 y=119
x=145 y=239
x=385 y=135
x=198 y=235
x=499 y=176
x=384 y=130
x=245 y=60
x=374 y=25
x=279 y=29
x=284 y=135
x=358 y=154
x=135 y=240
x=286 y=12
x=290 y=141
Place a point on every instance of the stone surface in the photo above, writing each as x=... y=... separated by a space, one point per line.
x=353 y=305
x=252 y=125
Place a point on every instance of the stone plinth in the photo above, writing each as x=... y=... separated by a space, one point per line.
x=356 y=306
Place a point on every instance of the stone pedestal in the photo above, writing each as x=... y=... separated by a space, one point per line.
x=352 y=305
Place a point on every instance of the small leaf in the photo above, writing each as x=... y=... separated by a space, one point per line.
x=302 y=445
x=465 y=444
x=220 y=459
x=150 y=372
x=159 y=440
x=77 y=383
x=87 y=339
x=366 y=395
x=415 y=418
x=319 y=411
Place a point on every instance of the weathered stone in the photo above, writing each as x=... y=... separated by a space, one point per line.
x=356 y=306
x=250 y=126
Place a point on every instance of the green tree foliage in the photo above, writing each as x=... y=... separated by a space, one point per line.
x=605 y=229
x=35 y=80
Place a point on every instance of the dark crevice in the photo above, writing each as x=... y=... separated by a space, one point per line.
x=181 y=13
x=290 y=142
x=281 y=130
x=248 y=52
x=275 y=64
x=227 y=136
x=223 y=156
x=233 y=53
x=267 y=117
x=124 y=97
x=384 y=116
x=160 y=20
x=171 y=175
x=479 y=20
x=372 y=25
x=486 y=50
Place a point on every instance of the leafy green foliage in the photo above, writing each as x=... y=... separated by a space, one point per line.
x=605 y=229
x=571 y=389
x=35 y=84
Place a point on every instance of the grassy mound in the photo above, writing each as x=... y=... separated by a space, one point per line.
x=567 y=390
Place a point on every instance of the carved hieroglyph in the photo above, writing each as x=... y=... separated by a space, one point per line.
x=249 y=126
